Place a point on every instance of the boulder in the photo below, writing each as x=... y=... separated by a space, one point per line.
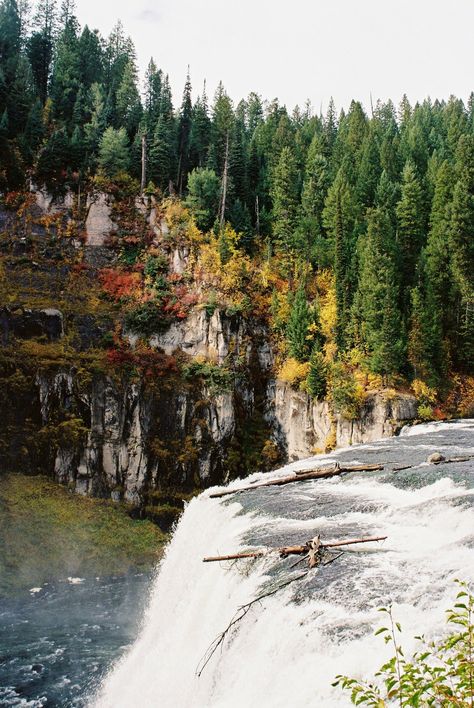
x=30 y=324
x=435 y=458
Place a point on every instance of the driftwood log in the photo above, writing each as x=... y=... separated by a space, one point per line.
x=314 y=545
x=301 y=476
x=441 y=461
x=313 y=551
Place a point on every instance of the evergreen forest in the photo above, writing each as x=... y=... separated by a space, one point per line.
x=361 y=221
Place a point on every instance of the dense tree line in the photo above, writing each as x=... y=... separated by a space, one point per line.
x=386 y=201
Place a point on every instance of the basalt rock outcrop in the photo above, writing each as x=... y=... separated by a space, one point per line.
x=137 y=431
x=305 y=425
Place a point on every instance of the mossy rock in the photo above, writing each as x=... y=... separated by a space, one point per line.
x=164 y=515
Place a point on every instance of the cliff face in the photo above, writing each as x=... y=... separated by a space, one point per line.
x=306 y=425
x=141 y=438
x=175 y=433
x=192 y=404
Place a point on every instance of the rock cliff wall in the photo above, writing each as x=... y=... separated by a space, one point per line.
x=154 y=425
x=179 y=434
x=305 y=426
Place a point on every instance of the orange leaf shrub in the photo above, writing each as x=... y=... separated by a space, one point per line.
x=119 y=284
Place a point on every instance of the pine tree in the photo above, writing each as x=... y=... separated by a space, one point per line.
x=10 y=41
x=440 y=295
x=297 y=328
x=153 y=81
x=221 y=131
x=53 y=160
x=90 y=58
x=317 y=376
x=376 y=303
x=114 y=154
x=200 y=133
x=411 y=234
x=34 y=132
x=161 y=157
x=284 y=194
x=94 y=130
x=462 y=219
x=21 y=97
x=41 y=45
x=369 y=170
x=66 y=78
x=184 y=136
x=203 y=197
x=316 y=184
x=238 y=162
x=224 y=247
x=128 y=104
x=339 y=222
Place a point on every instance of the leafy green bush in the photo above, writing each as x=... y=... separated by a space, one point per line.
x=130 y=254
x=146 y=319
x=346 y=394
x=440 y=674
x=155 y=266
x=211 y=305
x=217 y=378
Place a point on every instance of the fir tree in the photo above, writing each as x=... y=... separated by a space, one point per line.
x=153 y=82
x=114 y=152
x=203 y=197
x=285 y=200
x=184 y=136
x=411 y=228
x=297 y=328
x=128 y=104
x=200 y=137
x=317 y=376
x=376 y=303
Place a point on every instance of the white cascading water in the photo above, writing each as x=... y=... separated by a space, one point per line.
x=289 y=648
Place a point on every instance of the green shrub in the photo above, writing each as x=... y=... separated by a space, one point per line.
x=146 y=319
x=211 y=305
x=130 y=254
x=425 y=412
x=155 y=266
x=216 y=378
x=440 y=674
x=346 y=394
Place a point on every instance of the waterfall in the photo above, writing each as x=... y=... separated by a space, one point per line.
x=288 y=648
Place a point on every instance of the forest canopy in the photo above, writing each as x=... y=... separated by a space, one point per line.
x=383 y=201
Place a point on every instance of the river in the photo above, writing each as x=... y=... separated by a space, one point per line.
x=288 y=649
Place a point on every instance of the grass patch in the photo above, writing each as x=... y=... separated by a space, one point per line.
x=48 y=533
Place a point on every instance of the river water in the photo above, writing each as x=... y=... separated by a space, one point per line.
x=287 y=650
x=57 y=641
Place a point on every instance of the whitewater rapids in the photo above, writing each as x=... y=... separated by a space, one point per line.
x=289 y=648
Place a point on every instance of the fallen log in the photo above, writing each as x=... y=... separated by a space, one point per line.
x=443 y=461
x=452 y=460
x=293 y=550
x=301 y=476
x=313 y=551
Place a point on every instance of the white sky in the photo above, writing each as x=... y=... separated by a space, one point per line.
x=302 y=49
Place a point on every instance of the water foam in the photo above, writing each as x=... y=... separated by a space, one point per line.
x=289 y=648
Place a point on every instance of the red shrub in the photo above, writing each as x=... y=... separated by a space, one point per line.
x=119 y=284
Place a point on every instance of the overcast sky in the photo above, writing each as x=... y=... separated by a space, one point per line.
x=302 y=49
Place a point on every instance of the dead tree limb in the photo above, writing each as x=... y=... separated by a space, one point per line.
x=292 y=550
x=444 y=461
x=301 y=476
x=239 y=615
x=334 y=558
